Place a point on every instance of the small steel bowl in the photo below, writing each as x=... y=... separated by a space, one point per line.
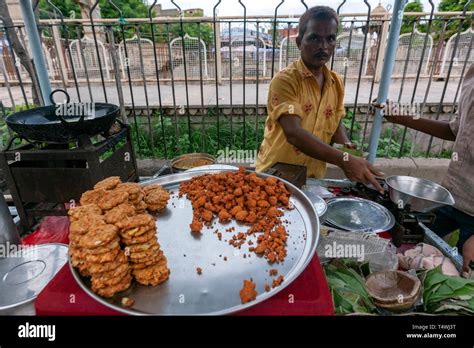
x=191 y=160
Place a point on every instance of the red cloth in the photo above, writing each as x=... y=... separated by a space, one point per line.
x=63 y=296
x=53 y=229
x=307 y=295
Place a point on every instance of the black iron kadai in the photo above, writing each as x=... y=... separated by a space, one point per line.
x=63 y=123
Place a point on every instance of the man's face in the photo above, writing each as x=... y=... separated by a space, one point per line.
x=318 y=42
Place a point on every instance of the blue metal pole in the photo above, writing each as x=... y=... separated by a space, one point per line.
x=385 y=80
x=36 y=51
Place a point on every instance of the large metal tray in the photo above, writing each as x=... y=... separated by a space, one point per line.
x=216 y=290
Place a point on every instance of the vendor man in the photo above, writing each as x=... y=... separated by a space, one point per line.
x=459 y=179
x=306 y=106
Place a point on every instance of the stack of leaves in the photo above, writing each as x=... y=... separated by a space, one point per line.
x=348 y=289
x=445 y=294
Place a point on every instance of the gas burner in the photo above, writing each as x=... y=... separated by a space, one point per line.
x=407 y=228
x=43 y=177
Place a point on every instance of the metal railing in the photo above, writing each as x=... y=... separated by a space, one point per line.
x=201 y=83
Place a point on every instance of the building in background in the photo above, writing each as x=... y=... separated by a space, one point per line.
x=168 y=12
x=173 y=12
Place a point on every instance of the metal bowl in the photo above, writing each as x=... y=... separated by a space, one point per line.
x=211 y=167
x=191 y=160
x=422 y=195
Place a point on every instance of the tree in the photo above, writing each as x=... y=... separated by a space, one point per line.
x=129 y=8
x=407 y=23
x=132 y=9
x=165 y=33
x=204 y=30
x=80 y=9
x=66 y=7
x=453 y=26
x=20 y=51
x=454 y=5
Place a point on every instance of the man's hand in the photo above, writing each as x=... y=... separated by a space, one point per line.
x=350 y=145
x=468 y=255
x=359 y=169
x=355 y=168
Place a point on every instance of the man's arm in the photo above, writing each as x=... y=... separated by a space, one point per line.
x=355 y=168
x=340 y=137
x=439 y=129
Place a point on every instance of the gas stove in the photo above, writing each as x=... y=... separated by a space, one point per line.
x=407 y=228
x=44 y=178
x=410 y=227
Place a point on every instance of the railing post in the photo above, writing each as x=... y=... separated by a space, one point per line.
x=218 y=53
x=62 y=62
x=118 y=79
x=383 y=43
x=36 y=50
x=387 y=70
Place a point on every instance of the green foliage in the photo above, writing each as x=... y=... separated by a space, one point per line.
x=356 y=130
x=347 y=286
x=407 y=22
x=165 y=33
x=4 y=131
x=390 y=141
x=444 y=294
x=453 y=5
x=129 y=8
x=65 y=6
x=203 y=137
x=452 y=26
x=454 y=238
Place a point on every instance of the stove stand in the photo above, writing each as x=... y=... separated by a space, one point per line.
x=407 y=227
x=44 y=178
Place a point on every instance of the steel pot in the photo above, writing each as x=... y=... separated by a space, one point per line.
x=420 y=194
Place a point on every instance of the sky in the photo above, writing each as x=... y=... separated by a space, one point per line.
x=267 y=7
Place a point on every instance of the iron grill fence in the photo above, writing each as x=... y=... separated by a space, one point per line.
x=201 y=83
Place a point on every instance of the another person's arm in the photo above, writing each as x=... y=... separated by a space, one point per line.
x=355 y=168
x=436 y=128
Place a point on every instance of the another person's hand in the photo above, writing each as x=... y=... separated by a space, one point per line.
x=380 y=105
x=359 y=169
x=468 y=255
